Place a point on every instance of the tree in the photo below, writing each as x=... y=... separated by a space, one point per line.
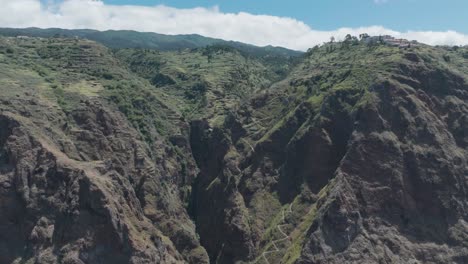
x=348 y=38
x=332 y=39
x=363 y=36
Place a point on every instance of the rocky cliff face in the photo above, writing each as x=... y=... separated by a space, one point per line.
x=86 y=208
x=370 y=170
x=358 y=154
x=90 y=195
x=81 y=185
x=400 y=190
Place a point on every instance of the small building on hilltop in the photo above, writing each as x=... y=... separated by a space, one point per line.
x=389 y=40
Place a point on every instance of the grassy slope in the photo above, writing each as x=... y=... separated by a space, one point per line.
x=132 y=39
x=205 y=82
x=352 y=69
x=64 y=71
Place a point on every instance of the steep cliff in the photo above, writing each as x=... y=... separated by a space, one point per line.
x=85 y=179
x=354 y=153
x=359 y=155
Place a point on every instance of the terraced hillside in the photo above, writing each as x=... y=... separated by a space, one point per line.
x=353 y=153
x=206 y=82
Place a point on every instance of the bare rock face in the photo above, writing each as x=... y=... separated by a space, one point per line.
x=100 y=206
x=370 y=176
x=80 y=183
x=360 y=155
x=401 y=189
x=221 y=222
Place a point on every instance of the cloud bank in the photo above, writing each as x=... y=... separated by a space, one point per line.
x=254 y=29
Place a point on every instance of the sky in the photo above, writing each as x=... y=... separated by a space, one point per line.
x=399 y=15
x=295 y=24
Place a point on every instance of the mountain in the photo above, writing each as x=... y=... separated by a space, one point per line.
x=354 y=152
x=132 y=39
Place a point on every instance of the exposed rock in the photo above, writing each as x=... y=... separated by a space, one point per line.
x=359 y=155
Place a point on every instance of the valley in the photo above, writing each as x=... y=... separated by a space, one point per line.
x=217 y=153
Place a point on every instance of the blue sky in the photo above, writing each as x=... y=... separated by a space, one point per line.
x=401 y=15
x=295 y=24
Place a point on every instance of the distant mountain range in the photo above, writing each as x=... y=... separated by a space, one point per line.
x=147 y=40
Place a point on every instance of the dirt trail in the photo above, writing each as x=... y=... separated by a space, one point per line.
x=285 y=236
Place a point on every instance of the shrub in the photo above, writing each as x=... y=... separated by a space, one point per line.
x=162 y=80
x=107 y=76
x=446 y=58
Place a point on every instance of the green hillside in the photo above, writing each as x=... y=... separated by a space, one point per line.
x=132 y=39
x=145 y=148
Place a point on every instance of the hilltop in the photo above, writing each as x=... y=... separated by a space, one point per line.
x=350 y=152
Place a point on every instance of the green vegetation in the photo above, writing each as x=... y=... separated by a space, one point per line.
x=67 y=71
x=270 y=98
x=332 y=80
x=304 y=222
x=131 y=39
x=204 y=81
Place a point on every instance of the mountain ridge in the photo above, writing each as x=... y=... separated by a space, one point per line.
x=135 y=39
x=355 y=152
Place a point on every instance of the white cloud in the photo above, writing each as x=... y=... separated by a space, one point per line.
x=255 y=29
